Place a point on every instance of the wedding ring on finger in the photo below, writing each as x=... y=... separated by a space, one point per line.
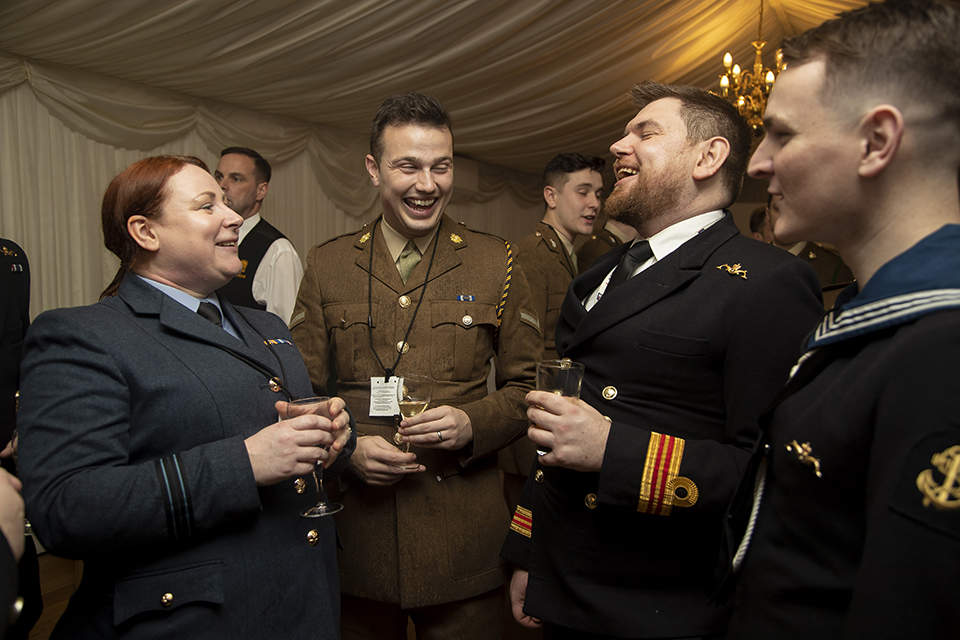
x=440 y=436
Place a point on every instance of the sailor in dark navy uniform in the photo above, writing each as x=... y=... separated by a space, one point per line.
x=850 y=525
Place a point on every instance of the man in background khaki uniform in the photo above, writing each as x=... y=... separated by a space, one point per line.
x=415 y=293
x=572 y=190
x=611 y=235
x=834 y=275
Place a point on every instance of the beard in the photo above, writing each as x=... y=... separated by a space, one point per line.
x=650 y=197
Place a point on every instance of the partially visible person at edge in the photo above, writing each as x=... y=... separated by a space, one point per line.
x=856 y=524
x=11 y=549
x=14 y=321
x=617 y=531
x=421 y=530
x=149 y=441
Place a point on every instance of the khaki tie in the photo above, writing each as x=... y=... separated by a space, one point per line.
x=409 y=259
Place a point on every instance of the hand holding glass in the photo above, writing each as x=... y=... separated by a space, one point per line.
x=301 y=407
x=562 y=377
x=414 y=394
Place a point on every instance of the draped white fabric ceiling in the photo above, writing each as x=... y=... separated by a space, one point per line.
x=523 y=79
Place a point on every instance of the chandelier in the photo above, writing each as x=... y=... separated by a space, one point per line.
x=748 y=90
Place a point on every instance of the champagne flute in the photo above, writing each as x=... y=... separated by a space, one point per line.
x=301 y=407
x=562 y=377
x=414 y=393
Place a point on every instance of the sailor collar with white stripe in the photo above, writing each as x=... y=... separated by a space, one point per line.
x=923 y=279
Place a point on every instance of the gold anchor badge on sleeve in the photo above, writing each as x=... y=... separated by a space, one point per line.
x=946 y=495
x=735 y=270
x=803 y=452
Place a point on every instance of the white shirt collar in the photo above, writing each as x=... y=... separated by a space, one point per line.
x=247 y=225
x=670 y=239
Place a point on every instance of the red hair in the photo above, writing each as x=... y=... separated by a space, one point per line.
x=139 y=190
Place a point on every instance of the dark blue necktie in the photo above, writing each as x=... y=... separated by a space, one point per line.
x=209 y=311
x=636 y=255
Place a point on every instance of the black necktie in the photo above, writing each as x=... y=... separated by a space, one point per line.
x=637 y=254
x=209 y=311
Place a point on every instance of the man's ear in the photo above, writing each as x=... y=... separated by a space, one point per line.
x=713 y=153
x=881 y=131
x=262 y=189
x=550 y=195
x=143 y=233
x=373 y=170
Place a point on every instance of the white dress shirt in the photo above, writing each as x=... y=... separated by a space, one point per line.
x=277 y=280
x=662 y=244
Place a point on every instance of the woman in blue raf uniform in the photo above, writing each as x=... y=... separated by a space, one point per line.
x=150 y=445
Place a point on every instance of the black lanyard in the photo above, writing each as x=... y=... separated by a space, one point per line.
x=388 y=373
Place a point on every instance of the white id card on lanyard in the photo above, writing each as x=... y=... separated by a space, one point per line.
x=384 y=396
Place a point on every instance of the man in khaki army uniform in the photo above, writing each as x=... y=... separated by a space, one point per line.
x=415 y=293
x=572 y=188
x=611 y=234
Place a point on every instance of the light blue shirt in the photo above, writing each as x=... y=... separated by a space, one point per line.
x=193 y=303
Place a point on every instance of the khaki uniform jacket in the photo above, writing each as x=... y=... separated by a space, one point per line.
x=549 y=271
x=600 y=242
x=834 y=275
x=433 y=537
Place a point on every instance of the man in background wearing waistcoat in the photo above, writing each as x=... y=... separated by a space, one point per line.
x=271 y=267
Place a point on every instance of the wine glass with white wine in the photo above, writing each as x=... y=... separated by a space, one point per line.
x=322 y=508
x=414 y=393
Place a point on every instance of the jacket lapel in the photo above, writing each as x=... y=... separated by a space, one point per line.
x=372 y=240
x=661 y=280
x=146 y=300
x=448 y=243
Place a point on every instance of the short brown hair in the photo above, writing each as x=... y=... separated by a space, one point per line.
x=407 y=109
x=557 y=171
x=140 y=189
x=909 y=46
x=706 y=115
x=262 y=171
